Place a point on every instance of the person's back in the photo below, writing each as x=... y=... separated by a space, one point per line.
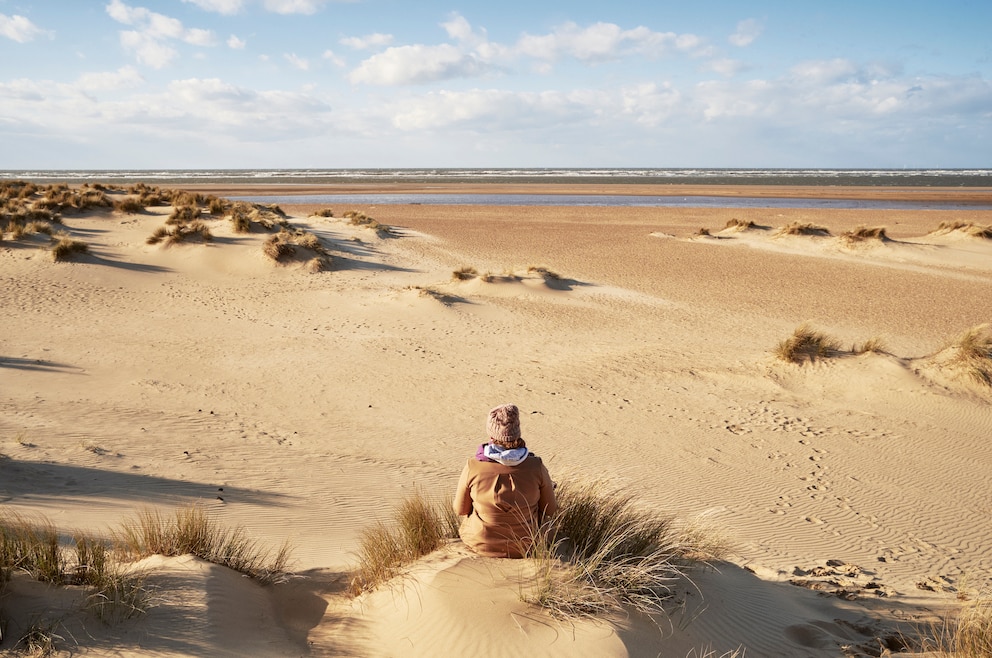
x=504 y=491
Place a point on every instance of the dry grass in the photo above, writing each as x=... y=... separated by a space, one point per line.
x=191 y=531
x=968 y=228
x=702 y=232
x=278 y=248
x=803 y=228
x=965 y=634
x=129 y=205
x=323 y=212
x=181 y=233
x=358 y=218
x=874 y=345
x=973 y=354
x=740 y=224
x=419 y=526
x=864 y=233
x=464 y=274
x=544 y=272
x=66 y=247
x=807 y=344
x=601 y=552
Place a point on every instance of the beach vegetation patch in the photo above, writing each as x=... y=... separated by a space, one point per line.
x=323 y=212
x=358 y=218
x=464 y=274
x=972 y=354
x=544 y=272
x=183 y=214
x=874 y=345
x=129 y=205
x=190 y=531
x=217 y=206
x=964 y=633
x=419 y=526
x=66 y=247
x=278 y=248
x=970 y=229
x=181 y=233
x=807 y=344
x=803 y=228
x=864 y=234
x=740 y=224
x=601 y=552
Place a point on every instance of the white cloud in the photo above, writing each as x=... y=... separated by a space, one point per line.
x=294 y=6
x=375 y=40
x=415 y=65
x=149 y=42
x=747 y=31
x=147 y=49
x=603 y=41
x=19 y=28
x=725 y=67
x=125 y=77
x=297 y=62
x=234 y=43
x=330 y=56
x=458 y=28
x=227 y=7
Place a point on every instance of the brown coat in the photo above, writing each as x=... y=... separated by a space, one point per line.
x=503 y=505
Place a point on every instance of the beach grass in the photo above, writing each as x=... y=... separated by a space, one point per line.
x=543 y=272
x=464 y=274
x=66 y=247
x=807 y=344
x=189 y=530
x=740 y=224
x=973 y=353
x=803 y=228
x=601 y=552
x=864 y=234
x=420 y=525
x=967 y=228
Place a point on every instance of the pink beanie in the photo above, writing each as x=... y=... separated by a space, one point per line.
x=504 y=425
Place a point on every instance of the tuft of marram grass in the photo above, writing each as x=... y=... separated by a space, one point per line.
x=464 y=274
x=874 y=345
x=803 y=228
x=601 y=552
x=864 y=233
x=965 y=633
x=973 y=353
x=968 y=228
x=807 y=344
x=544 y=272
x=420 y=525
x=66 y=247
x=129 y=205
x=740 y=224
x=191 y=531
x=31 y=546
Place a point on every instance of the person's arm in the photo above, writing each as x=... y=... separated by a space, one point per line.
x=463 y=494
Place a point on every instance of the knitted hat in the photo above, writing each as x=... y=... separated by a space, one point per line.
x=504 y=426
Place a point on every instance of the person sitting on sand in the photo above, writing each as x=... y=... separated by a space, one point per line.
x=505 y=491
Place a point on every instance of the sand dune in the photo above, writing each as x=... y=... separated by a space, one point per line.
x=304 y=406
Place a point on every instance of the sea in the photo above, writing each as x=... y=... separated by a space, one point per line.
x=912 y=178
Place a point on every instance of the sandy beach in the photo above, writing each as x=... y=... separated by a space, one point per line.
x=304 y=406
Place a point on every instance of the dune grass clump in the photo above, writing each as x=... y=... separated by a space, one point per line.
x=323 y=212
x=419 y=526
x=864 y=233
x=968 y=228
x=66 y=247
x=464 y=274
x=874 y=345
x=190 y=531
x=358 y=218
x=544 y=272
x=965 y=633
x=181 y=233
x=31 y=547
x=807 y=344
x=739 y=224
x=803 y=228
x=601 y=552
x=183 y=214
x=972 y=354
x=129 y=205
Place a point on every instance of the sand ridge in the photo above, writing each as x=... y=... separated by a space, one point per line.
x=304 y=406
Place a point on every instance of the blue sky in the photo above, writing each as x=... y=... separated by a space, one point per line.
x=401 y=83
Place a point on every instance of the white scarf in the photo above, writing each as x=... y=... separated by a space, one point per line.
x=505 y=456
